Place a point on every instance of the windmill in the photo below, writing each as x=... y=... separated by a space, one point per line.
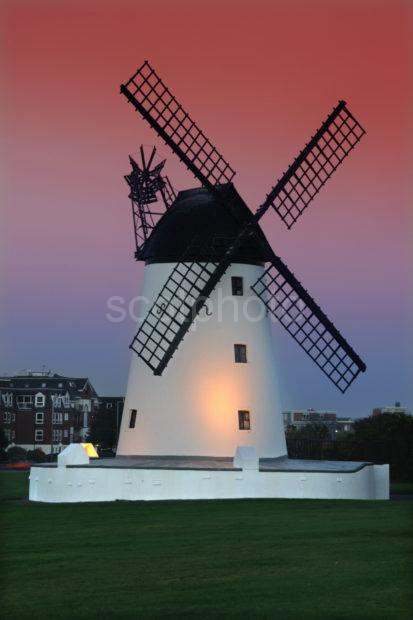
x=208 y=241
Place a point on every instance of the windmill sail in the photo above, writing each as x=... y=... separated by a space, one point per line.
x=149 y=95
x=304 y=320
x=316 y=163
x=173 y=312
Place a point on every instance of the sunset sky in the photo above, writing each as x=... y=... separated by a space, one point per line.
x=258 y=77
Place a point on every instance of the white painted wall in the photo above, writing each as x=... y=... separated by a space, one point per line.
x=192 y=409
x=87 y=484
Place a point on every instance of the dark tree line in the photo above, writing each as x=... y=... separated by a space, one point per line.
x=386 y=438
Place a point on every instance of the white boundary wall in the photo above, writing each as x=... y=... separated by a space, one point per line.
x=83 y=484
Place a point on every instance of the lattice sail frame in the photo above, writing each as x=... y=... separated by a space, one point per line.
x=316 y=163
x=174 y=310
x=150 y=96
x=304 y=320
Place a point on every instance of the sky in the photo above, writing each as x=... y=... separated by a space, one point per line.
x=259 y=78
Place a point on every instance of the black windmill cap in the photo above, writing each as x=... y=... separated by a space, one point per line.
x=200 y=225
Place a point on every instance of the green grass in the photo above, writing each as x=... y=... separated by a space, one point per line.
x=401 y=488
x=284 y=559
x=14 y=484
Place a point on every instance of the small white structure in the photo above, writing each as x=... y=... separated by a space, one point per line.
x=74 y=454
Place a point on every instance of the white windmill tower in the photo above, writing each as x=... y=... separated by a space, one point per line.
x=205 y=278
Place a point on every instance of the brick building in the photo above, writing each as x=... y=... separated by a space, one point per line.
x=41 y=410
x=396 y=409
x=304 y=417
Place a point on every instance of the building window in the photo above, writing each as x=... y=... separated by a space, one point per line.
x=57 y=417
x=132 y=419
x=7 y=434
x=57 y=436
x=237 y=284
x=43 y=385
x=244 y=422
x=39 y=400
x=57 y=401
x=39 y=417
x=7 y=399
x=65 y=433
x=13 y=417
x=25 y=402
x=66 y=417
x=7 y=417
x=38 y=434
x=109 y=405
x=60 y=385
x=240 y=353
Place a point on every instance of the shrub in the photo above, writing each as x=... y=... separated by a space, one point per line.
x=36 y=456
x=15 y=454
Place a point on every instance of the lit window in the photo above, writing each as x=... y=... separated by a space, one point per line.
x=38 y=434
x=39 y=417
x=132 y=419
x=43 y=385
x=60 y=385
x=237 y=285
x=66 y=417
x=240 y=353
x=244 y=422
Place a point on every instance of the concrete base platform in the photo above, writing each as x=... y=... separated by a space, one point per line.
x=167 y=478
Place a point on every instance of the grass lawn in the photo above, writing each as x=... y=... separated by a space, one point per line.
x=284 y=559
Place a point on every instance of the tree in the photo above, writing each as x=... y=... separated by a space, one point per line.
x=308 y=431
x=385 y=427
x=103 y=428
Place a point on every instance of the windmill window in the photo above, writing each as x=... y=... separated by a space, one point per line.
x=237 y=284
x=132 y=419
x=240 y=353
x=244 y=422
